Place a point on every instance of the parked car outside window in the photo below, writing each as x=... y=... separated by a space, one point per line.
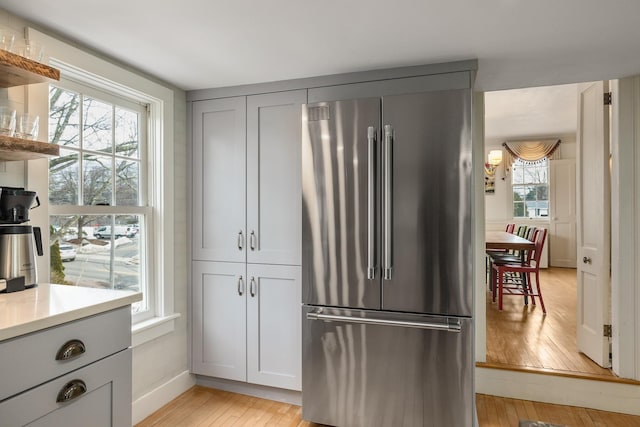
x=67 y=252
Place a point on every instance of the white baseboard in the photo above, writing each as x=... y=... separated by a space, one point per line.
x=603 y=395
x=271 y=393
x=160 y=396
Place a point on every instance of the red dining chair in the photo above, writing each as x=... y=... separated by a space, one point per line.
x=490 y=252
x=506 y=282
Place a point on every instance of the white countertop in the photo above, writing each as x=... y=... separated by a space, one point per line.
x=50 y=305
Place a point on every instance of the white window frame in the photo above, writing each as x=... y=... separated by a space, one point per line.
x=511 y=188
x=78 y=65
x=145 y=178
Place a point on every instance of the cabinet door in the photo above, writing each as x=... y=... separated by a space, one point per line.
x=102 y=398
x=274 y=194
x=219 y=155
x=274 y=336
x=219 y=320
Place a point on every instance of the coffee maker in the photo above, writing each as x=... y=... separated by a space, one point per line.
x=17 y=253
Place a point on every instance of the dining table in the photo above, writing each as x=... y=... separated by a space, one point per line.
x=503 y=240
x=508 y=241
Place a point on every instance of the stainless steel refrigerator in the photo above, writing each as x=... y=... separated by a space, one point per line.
x=387 y=261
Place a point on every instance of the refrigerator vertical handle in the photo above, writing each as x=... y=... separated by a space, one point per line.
x=371 y=203
x=388 y=203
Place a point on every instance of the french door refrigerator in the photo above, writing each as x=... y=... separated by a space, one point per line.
x=387 y=261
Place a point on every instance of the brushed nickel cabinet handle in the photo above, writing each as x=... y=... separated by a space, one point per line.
x=252 y=240
x=240 y=286
x=240 y=240
x=70 y=350
x=253 y=287
x=71 y=390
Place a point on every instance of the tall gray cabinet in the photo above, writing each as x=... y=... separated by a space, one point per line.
x=246 y=238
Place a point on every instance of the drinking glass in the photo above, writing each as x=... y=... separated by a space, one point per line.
x=7 y=121
x=7 y=37
x=27 y=126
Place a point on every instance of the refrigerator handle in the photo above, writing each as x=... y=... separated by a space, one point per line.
x=371 y=203
x=388 y=202
x=452 y=325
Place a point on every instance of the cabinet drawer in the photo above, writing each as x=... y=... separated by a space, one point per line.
x=104 y=399
x=30 y=360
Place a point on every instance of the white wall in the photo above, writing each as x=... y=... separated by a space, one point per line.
x=160 y=366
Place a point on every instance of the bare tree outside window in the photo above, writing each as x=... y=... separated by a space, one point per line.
x=95 y=189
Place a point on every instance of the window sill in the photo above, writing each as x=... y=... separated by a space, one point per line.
x=151 y=329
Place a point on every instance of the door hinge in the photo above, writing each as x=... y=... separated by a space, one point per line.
x=606 y=331
x=607 y=98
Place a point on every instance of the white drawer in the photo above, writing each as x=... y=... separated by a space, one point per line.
x=30 y=360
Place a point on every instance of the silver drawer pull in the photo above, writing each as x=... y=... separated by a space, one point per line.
x=71 y=390
x=70 y=350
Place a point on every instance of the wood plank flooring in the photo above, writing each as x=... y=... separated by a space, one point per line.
x=521 y=337
x=202 y=407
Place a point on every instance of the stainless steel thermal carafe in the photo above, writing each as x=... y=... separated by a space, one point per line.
x=17 y=253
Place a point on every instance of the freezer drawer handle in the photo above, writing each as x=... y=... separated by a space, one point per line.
x=371 y=203
x=450 y=327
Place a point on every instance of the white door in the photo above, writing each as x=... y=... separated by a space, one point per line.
x=274 y=192
x=593 y=209
x=562 y=224
x=219 y=157
x=274 y=326
x=219 y=309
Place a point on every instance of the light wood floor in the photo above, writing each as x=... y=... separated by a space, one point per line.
x=520 y=336
x=202 y=407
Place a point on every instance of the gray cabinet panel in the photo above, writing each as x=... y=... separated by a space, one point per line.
x=274 y=329
x=459 y=80
x=219 y=156
x=219 y=320
x=273 y=177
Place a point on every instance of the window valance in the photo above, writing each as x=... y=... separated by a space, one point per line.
x=530 y=151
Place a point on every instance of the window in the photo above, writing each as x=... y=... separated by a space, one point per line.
x=154 y=269
x=530 y=183
x=98 y=190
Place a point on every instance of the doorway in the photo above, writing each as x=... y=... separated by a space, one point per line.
x=520 y=336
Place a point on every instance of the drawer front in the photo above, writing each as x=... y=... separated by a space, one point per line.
x=102 y=398
x=30 y=360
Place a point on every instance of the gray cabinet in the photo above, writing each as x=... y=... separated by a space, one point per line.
x=246 y=323
x=247 y=213
x=246 y=179
x=219 y=179
x=274 y=193
x=88 y=360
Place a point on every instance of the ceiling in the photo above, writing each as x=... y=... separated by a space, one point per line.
x=197 y=44
x=541 y=112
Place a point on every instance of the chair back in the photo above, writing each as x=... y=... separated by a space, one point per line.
x=510 y=228
x=540 y=237
x=522 y=230
x=531 y=234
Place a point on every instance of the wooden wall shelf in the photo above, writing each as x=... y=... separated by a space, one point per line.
x=16 y=70
x=23 y=149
